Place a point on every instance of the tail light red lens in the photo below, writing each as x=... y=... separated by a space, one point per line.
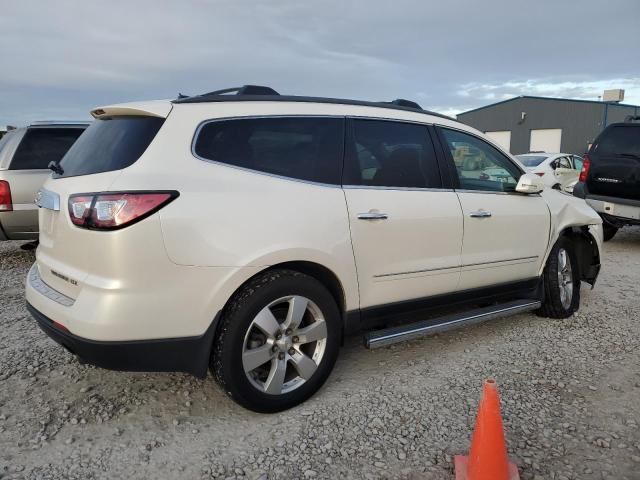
x=586 y=165
x=540 y=174
x=111 y=211
x=6 y=204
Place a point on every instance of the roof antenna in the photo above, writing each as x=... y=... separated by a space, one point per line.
x=182 y=95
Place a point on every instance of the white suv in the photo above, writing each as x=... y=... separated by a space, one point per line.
x=249 y=232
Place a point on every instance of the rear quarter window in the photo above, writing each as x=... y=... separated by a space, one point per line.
x=109 y=144
x=305 y=148
x=39 y=146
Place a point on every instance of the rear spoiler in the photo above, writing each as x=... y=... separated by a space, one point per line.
x=156 y=108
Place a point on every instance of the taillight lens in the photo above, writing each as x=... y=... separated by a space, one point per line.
x=6 y=205
x=586 y=165
x=110 y=211
x=540 y=174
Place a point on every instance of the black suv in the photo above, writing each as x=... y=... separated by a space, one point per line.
x=610 y=177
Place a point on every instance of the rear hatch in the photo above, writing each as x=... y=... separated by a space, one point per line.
x=615 y=162
x=115 y=140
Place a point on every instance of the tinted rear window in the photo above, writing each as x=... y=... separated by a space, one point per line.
x=39 y=146
x=110 y=144
x=391 y=154
x=619 y=141
x=531 y=161
x=297 y=147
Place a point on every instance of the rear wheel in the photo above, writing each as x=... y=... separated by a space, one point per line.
x=561 y=282
x=278 y=341
x=608 y=231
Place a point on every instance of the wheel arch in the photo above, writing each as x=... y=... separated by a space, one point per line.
x=587 y=251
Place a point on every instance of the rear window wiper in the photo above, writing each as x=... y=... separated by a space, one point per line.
x=55 y=167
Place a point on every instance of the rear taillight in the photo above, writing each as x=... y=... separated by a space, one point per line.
x=6 y=205
x=586 y=165
x=540 y=174
x=110 y=211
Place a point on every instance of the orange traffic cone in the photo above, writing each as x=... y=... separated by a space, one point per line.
x=487 y=458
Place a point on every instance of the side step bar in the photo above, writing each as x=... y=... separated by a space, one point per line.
x=402 y=333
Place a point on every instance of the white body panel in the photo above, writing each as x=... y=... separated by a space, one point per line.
x=416 y=250
x=507 y=246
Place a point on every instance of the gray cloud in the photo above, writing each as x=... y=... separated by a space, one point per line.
x=61 y=59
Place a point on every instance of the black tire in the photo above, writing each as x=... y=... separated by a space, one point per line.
x=226 y=360
x=608 y=231
x=552 y=305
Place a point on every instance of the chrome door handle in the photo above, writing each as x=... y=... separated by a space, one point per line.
x=372 y=216
x=480 y=214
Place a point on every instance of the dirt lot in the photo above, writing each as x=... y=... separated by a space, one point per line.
x=570 y=393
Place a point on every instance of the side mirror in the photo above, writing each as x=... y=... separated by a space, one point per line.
x=529 y=183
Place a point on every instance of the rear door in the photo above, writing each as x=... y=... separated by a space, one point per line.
x=406 y=228
x=615 y=162
x=564 y=171
x=505 y=233
x=28 y=170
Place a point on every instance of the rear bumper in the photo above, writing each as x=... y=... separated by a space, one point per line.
x=188 y=354
x=615 y=211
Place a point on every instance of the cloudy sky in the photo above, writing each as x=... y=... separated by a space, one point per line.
x=60 y=59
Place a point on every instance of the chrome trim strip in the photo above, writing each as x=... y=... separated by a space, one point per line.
x=408 y=189
x=380 y=339
x=499 y=261
x=415 y=271
x=490 y=192
x=455 y=266
x=40 y=286
x=47 y=199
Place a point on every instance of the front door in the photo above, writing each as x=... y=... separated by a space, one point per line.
x=406 y=229
x=505 y=233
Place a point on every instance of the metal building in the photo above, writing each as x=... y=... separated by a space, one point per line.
x=532 y=124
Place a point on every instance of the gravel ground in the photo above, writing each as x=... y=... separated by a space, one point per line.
x=570 y=393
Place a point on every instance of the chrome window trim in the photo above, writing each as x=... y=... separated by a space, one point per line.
x=251 y=170
x=407 y=189
x=462 y=190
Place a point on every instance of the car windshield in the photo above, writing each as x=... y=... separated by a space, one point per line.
x=531 y=160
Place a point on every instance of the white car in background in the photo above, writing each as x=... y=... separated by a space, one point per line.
x=554 y=168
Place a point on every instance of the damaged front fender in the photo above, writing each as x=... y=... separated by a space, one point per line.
x=574 y=218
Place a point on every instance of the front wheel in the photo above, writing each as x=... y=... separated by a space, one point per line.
x=561 y=279
x=278 y=341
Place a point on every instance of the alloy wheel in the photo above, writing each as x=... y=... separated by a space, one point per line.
x=284 y=345
x=565 y=278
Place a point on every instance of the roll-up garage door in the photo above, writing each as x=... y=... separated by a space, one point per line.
x=546 y=140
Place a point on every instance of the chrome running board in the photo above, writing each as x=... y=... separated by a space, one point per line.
x=402 y=333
